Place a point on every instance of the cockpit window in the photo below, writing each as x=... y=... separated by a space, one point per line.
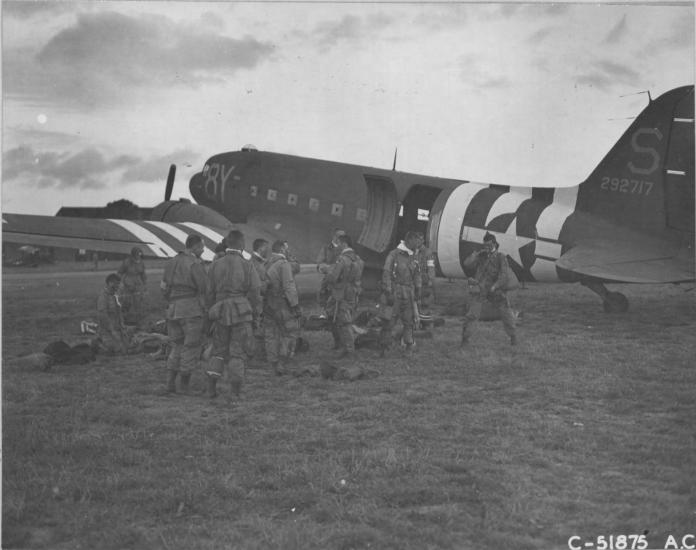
x=205 y=169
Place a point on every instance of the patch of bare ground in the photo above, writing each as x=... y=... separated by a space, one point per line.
x=585 y=428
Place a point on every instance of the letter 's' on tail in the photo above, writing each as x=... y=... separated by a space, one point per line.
x=646 y=181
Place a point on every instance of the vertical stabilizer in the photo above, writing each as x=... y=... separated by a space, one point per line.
x=646 y=181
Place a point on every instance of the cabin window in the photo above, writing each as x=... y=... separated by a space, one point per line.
x=272 y=195
x=361 y=215
x=292 y=199
x=423 y=215
x=336 y=209
x=314 y=205
x=254 y=190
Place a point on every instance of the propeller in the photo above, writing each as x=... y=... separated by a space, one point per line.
x=170 y=182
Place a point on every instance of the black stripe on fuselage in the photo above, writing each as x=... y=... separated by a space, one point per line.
x=479 y=207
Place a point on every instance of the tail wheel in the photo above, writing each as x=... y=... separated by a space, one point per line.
x=615 y=302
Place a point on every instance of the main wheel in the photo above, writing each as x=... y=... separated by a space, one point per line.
x=616 y=303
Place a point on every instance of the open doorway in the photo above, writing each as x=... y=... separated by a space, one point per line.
x=414 y=213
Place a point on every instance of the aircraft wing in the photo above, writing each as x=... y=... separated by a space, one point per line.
x=156 y=239
x=647 y=261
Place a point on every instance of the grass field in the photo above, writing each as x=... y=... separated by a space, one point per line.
x=587 y=428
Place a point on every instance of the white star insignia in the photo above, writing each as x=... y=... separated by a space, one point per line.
x=510 y=243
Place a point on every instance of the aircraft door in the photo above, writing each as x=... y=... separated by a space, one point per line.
x=382 y=211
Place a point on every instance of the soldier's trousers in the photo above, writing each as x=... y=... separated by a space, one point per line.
x=498 y=301
x=280 y=336
x=341 y=323
x=232 y=347
x=186 y=337
x=401 y=310
x=324 y=294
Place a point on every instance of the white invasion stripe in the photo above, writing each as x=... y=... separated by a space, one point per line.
x=550 y=250
x=508 y=203
x=203 y=230
x=676 y=172
x=552 y=217
x=683 y=120
x=208 y=255
x=157 y=245
x=544 y=270
x=451 y=221
x=212 y=235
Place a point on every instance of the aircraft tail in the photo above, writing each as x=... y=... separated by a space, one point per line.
x=646 y=181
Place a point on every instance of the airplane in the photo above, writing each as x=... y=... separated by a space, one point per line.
x=630 y=221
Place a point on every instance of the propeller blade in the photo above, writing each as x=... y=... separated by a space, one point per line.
x=170 y=182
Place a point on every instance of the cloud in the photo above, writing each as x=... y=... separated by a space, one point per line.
x=85 y=169
x=437 y=18
x=26 y=134
x=531 y=10
x=540 y=35
x=607 y=74
x=24 y=9
x=475 y=76
x=680 y=35
x=617 y=32
x=104 y=56
x=51 y=169
x=349 y=28
x=155 y=168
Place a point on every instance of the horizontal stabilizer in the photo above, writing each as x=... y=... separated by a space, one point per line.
x=628 y=262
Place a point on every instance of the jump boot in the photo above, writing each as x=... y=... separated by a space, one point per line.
x=184 y=382
x=171 y=381
x=212 y=383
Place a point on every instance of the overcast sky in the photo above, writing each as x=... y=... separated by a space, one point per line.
x=100 y=97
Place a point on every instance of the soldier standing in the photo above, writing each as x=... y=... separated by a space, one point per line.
x=489 y=283
x=111 y=332
x=220 y=250
x=344 y=282
x=184 y=285
x=234 y=291
x=325 y=260
x=133 y=289
x=426 y=265
x=401 y=285
x=281 y=316
x=259 y=259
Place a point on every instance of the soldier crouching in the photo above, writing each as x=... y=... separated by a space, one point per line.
x=112 y=337
x=234 y=292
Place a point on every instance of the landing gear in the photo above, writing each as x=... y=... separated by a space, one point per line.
x=614 y=302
